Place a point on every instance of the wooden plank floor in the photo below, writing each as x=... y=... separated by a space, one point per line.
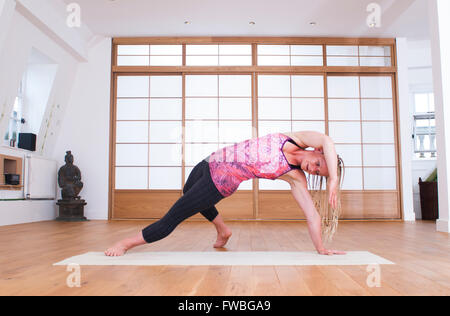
x=421 y=254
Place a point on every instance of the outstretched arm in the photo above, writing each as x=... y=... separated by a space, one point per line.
x=301 y=194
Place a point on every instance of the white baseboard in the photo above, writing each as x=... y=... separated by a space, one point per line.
x=443 y=226
x=409 y=217
x=21 y=212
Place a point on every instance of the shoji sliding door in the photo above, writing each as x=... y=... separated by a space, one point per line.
x=361 y=122
x=148 y=144
x=218 y=114
x=287 y=103
x=358 y=114
x=177 y=100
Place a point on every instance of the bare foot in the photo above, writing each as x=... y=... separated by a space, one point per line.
x=123 y=246
x=118 y=250
x=222 y=238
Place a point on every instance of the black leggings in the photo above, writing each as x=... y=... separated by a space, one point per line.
x=200 y=195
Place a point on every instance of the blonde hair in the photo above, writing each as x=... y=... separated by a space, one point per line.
x=318 y=186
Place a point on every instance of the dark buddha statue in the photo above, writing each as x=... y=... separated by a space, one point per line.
x=69 y=179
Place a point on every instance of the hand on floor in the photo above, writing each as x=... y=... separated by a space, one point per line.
x=327 y=252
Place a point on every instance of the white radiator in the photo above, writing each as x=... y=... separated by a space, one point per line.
x=40 y=178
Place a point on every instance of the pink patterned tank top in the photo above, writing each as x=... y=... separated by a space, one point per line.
x=254 y=158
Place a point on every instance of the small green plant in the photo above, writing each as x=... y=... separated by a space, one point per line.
x=432 y=177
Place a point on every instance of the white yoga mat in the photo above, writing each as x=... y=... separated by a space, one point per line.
x=225 y=258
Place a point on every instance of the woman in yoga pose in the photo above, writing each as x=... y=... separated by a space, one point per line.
x=274 y=156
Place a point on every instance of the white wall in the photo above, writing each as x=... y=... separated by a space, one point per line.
x=85 y=128
x=420 y=78
x=439 y=17
x=19 y=212
x=39 y=81
x=405 y=130
x=51 y=17
x=420 y=65
x=25 y=34
x=7 y=8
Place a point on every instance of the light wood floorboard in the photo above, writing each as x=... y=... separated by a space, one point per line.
x=421 y=254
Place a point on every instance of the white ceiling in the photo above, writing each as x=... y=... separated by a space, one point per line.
x=336 y=18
